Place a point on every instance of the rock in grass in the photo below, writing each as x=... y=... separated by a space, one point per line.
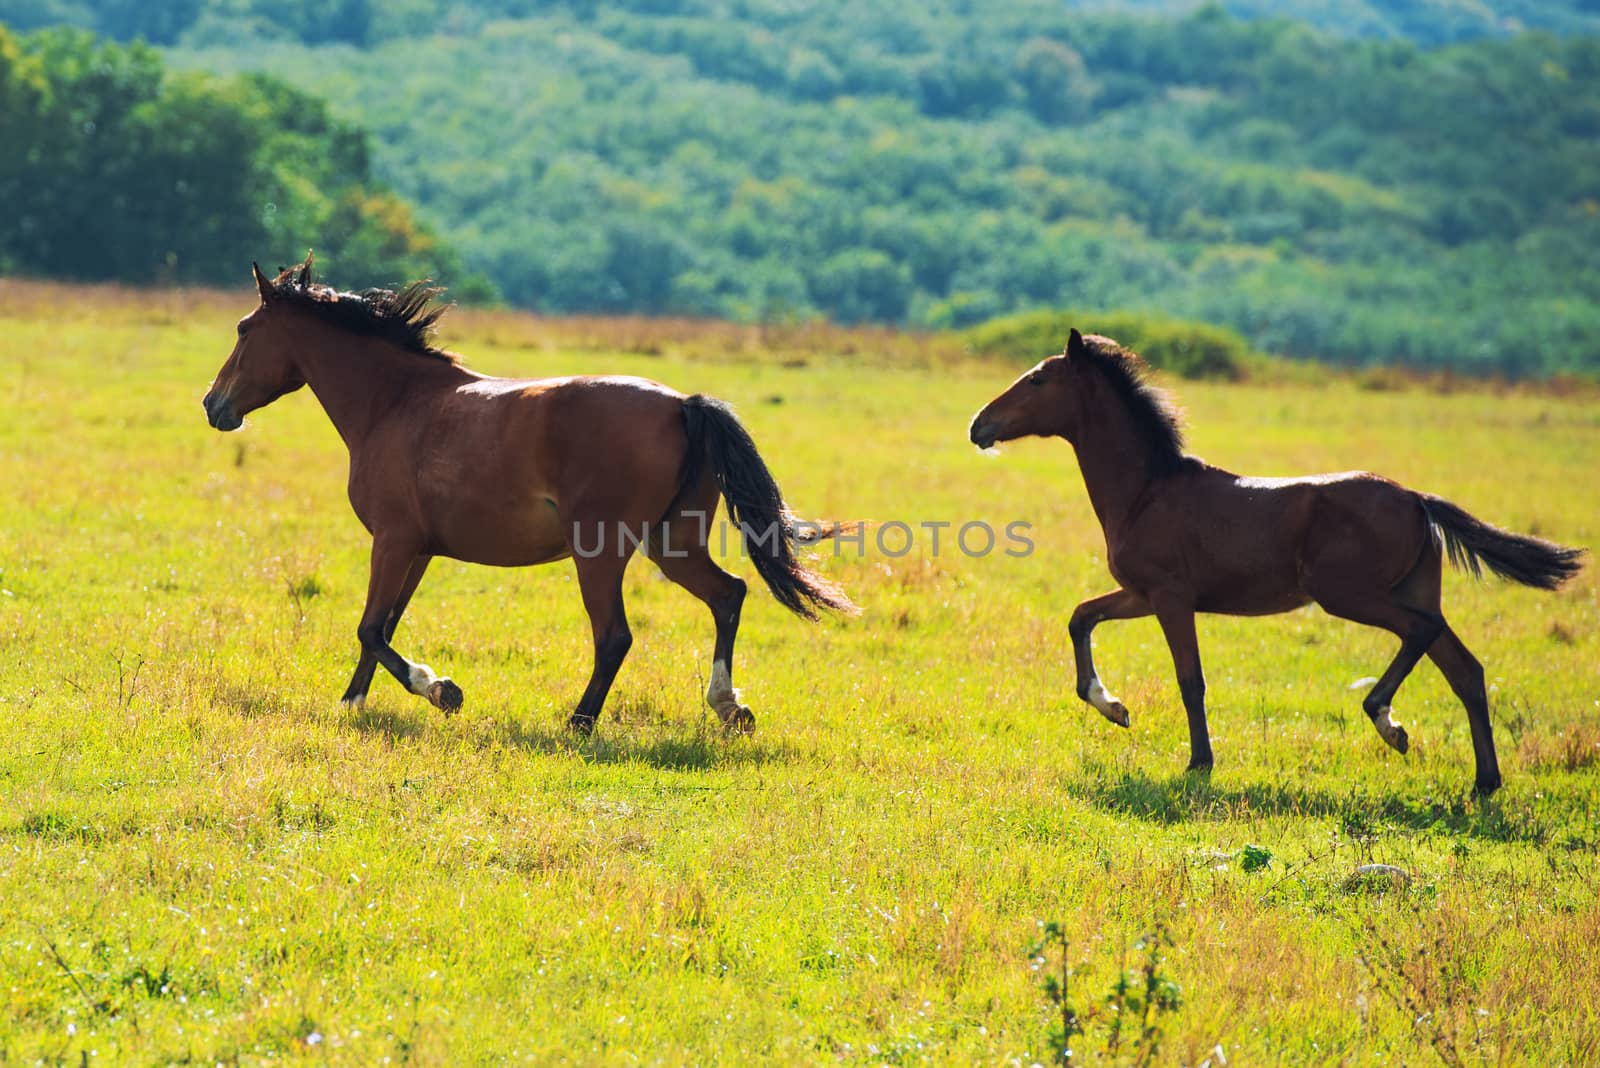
x=1377 y=877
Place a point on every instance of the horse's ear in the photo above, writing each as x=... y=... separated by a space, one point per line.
x=262 y=285
x=305 y=270
x=1074 y=343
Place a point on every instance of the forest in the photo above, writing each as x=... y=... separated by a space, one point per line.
x=1364 y=183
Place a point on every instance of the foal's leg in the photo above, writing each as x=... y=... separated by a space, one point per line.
x=356 y=693
x=1177 y=623
x=600 y=581
x=1417 y=629
x=724 y=594
x=1119 y=604
x=1465 y=676
x=1420 y=589
x=392 y=563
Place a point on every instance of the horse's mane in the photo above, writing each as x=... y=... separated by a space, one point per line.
x=405 y=318
x=1156 y=418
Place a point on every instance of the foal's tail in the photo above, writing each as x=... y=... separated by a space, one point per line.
x=1472 y=544
x=755 y=503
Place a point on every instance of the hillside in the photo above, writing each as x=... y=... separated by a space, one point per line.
x=363 y=22
x=1355 y=200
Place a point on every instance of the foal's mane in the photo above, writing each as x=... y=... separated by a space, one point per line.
x=405 y=318
x=1156 y=418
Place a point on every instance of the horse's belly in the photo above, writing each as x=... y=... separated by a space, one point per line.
x=513 y=534
x=1248 y=602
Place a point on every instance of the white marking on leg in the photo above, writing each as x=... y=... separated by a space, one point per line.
x=1107 y=705
x=421 y=678
x=1388 y=729
x=354 y=703
x=721 y=695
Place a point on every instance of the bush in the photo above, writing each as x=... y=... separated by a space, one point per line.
x=1183 y=347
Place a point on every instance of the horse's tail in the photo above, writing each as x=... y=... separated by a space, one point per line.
x=755 y=504
x=1473 y=544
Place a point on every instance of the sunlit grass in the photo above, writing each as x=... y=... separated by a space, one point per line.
x=203 y=857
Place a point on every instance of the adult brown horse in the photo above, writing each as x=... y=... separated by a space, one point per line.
x=1185 y=537
x=508 y=472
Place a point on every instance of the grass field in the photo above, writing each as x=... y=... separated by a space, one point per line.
x=203 y=859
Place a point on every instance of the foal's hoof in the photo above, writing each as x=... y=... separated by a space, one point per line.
x=1391 y=732
x=446 y=696
x=1116 y=712
x=740 y=721
x=1484 y=787
x=580 y=725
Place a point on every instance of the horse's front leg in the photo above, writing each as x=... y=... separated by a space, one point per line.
x=393 y=561
x=356 y=693
x=1119 y=604
x=1177 y=623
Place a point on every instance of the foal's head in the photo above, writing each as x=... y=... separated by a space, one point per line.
x=260 y=368
x=1047 y=401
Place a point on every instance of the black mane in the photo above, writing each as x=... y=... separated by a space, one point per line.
x=1156 y=418
x=405 y=318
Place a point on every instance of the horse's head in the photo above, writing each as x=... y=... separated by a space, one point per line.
x=261 y=368
x=1040 y=403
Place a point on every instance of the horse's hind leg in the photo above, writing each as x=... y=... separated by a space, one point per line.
x=684 y=559
x=1461 y=669
x=1416 y=627
x=600 y=581
x=356 y=693
x=1119 y=604
x=1465 y=676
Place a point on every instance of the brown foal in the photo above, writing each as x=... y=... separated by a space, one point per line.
x=510 y=472
x=1185 y=537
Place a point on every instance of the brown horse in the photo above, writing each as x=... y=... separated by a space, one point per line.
x=1185 y=537
x=509 y=472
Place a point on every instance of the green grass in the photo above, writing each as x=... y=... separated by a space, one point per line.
x=204 y=859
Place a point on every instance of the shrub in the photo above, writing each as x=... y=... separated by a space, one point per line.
x=1180 y=346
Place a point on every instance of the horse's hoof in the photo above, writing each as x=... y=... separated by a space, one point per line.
x=353 y=704
x=581 y=725
x=445 y=695
x=1483 y=788
x=740 y=721
x=1198 y=767
x=1393 y=735
x=1116 y=712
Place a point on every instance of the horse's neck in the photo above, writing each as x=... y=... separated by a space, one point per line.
x=1115 y=462
x=359 y=380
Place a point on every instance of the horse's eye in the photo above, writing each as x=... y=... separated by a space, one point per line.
x=241 y=330
x=1036 y=379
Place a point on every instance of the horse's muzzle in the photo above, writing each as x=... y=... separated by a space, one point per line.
x=220 y=413
x=983 y=433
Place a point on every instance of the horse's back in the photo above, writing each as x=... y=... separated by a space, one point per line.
x=1247 y=542
x=1367 y=528
x=506 y=466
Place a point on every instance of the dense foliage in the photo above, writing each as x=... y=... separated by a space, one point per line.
x=129 y=172
x=1352 y=199
x=363 y=22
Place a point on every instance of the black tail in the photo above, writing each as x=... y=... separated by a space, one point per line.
x=756 y=504
x=1472 y=543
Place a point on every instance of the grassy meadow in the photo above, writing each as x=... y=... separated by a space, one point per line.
x=204 y=859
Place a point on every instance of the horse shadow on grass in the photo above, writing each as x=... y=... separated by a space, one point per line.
x=645 y=736
x=1194 y=797
x=639 y=732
